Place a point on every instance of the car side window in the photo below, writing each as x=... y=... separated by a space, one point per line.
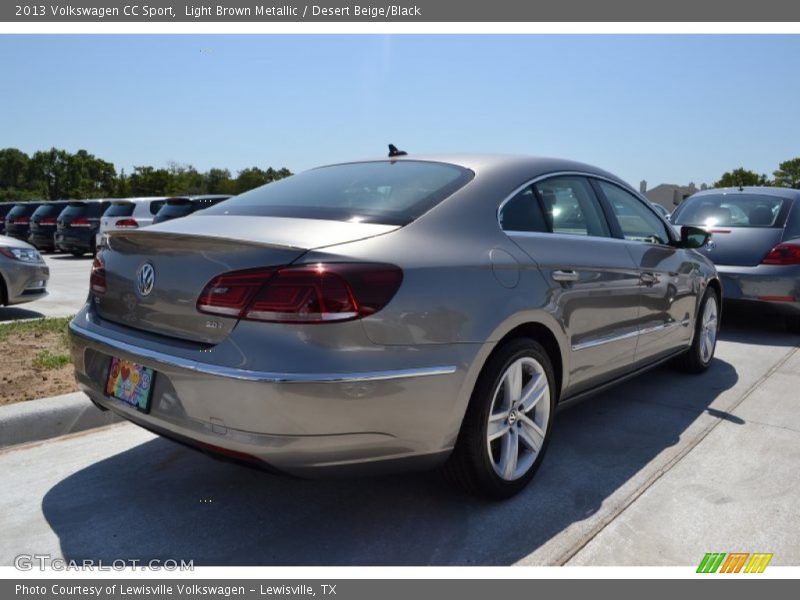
x=637 y=221
x=571 y=207
x=523 y=213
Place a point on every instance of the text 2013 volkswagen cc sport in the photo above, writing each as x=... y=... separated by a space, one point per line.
x=394 y=313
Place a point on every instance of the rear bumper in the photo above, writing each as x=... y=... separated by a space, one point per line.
x=770 y=288
x=305 y=423
x=42 y=240
x=73 y=241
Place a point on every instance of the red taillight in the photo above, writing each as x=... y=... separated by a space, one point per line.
x=21 y=221
x=47 y=221
x=783 y=254
x=81 y=222
x=97 y=280
x=305 y=294
x=126 y=223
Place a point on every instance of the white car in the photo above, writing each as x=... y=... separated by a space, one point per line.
x=129 y=213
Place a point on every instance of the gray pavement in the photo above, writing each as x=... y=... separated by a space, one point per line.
x=67 y=290
x=656 y=471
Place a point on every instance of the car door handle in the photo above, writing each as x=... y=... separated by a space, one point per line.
x=648 y=278
x=565 y=275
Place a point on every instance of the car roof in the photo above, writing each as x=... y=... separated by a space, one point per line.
x=504 y=165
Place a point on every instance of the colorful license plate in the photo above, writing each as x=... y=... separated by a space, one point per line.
x=131 y=383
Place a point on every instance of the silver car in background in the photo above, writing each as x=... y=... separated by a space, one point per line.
x=391 y=314
x=755 y=245
x=23 y=273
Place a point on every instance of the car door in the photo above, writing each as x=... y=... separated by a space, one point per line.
x=668 y=277
x=559 y=222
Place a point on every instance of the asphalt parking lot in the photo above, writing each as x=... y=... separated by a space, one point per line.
x=657 y=471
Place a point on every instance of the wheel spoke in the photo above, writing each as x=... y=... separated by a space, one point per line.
x=513 y=383
x=509 y=453
x=496 y=429
x=533 y=392
x=530 y=433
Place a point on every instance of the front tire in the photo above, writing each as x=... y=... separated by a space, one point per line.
x=506 y=428
x=700 y=354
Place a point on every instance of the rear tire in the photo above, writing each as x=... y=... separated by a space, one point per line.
x=76 y=253
x=506 y=428
x=792 y=323
x=700 y=354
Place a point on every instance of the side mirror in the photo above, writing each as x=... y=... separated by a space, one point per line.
x=694 y=237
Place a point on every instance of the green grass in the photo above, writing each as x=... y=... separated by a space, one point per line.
x=48 y=360
x=37 y=327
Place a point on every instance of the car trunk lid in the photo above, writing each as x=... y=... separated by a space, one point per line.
x=741 y=246
x=185 y=254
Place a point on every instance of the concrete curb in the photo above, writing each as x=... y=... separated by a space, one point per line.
x=47 y=418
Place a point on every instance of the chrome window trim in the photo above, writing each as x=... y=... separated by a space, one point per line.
x=111 y=345
x=622 y=186
x=538 y=178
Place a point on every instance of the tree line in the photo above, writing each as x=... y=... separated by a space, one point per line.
x=787 y=175
x=55 y=174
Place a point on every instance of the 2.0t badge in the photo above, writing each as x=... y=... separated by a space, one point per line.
x=145 y=279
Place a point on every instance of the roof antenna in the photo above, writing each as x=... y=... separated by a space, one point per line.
x=393 y=151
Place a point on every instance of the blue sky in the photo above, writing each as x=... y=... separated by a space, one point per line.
x=667 y=108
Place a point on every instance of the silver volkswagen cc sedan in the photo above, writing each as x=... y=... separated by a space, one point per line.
x=392 y=314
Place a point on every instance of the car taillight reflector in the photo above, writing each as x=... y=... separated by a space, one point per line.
x=21 y=221
x=81 y=222
x=97 y=280
x=783 y=254
x=127 y=223
x=317 y=293
x=47 y=221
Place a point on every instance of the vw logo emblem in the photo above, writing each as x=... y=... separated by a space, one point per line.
x=710 y=245
x=145 y=279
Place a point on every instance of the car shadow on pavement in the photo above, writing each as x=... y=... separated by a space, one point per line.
x=745 y=327
x=70 y=257
x=12 y=313
x=160 y=500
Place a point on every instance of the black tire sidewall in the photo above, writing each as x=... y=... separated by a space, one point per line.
x=482 y=402
x=698 y=355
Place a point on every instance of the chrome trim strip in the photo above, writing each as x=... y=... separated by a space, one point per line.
x=605 y=340
x=625 y=336
x=112 y=345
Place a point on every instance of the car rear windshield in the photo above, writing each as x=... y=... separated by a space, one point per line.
x=22 y=210
x=732 y=210
x=176 y=207
x=83 y=209
x=120 y=209
x=49 y=210
x=389 y=192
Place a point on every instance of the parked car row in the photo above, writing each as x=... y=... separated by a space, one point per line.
x=75 y=226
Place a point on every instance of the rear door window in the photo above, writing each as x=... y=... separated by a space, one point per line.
x=571 y=207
